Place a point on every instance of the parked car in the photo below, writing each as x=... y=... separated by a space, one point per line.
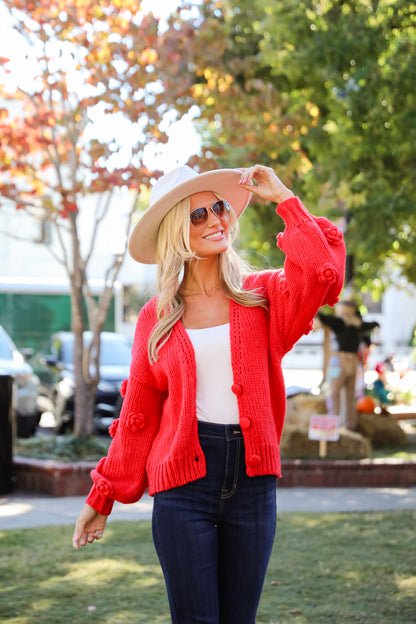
x=26 y=386
x=57 y=378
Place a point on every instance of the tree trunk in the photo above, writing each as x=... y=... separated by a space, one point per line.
x=85 y=385
x=84 y=408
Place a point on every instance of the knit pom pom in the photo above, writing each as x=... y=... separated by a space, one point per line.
x=327 y=274
x=123 y=387
x=333 y=235
x=112 y=430
x=134 y=422
x=104 y=488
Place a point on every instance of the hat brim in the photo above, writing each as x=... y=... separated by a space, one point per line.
x=143 y=239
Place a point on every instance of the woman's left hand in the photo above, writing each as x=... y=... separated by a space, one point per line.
x=89 y=527
x=268 y=187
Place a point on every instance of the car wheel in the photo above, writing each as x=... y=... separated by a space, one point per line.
x=27 y=425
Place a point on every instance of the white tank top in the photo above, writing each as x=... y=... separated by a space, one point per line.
x=215 y=401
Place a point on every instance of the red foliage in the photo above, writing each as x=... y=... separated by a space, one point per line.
x=124 y=63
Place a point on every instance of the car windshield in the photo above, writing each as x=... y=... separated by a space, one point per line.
x=115 y=350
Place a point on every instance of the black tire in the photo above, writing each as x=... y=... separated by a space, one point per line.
x=27 y=425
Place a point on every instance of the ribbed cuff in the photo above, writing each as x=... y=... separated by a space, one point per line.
x=101 y=504
x=293 y=212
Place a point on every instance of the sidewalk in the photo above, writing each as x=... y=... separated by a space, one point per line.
x=20 y=510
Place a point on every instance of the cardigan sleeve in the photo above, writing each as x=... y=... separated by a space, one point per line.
x=312 y=276
x=122 y=474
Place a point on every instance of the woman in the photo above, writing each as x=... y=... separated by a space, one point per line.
x=204 y=405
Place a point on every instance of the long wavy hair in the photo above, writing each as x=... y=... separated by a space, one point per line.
x=174 y=255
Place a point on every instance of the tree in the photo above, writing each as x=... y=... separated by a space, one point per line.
x=89 y=57
x=324 y=92
x=361 y=76
x=247 y=114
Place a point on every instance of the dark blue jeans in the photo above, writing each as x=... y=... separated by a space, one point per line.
x=214 y=536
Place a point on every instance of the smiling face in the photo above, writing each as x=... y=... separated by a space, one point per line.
x=212 y=238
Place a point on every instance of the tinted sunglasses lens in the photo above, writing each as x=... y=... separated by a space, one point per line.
x=221 y=209
x=199 y=217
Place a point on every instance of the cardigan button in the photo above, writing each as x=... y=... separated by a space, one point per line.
x=245 y=423
x=237 y=389
x=254 y=461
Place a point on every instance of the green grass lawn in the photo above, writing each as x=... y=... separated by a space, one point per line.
x=325 y=569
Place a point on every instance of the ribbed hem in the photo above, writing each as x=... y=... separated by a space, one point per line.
x=176 y=471
x=269 y=455
x=293 y=212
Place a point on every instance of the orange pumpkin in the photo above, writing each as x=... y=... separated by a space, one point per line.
x=366 y=405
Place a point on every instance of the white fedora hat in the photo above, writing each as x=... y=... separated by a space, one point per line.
x=171 y=189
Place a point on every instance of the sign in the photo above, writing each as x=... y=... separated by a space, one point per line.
x=324 y=427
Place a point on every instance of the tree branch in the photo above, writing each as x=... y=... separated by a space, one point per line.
x=98 y=220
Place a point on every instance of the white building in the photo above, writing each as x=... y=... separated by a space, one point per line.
x=27 y=247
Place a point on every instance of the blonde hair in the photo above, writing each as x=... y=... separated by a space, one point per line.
x=173 y=254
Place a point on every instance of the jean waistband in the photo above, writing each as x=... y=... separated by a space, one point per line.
x=227 y=432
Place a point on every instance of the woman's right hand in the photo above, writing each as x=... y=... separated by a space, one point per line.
x=267 y=185
x=89 y=527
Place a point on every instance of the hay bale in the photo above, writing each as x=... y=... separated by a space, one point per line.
x=295 y=444
x=381 y=429
x=300 y=407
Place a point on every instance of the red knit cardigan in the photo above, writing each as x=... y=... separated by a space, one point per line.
x=155 y=441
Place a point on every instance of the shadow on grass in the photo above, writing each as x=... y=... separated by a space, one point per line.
x=325 y=569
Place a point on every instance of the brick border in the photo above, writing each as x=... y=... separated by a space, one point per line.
x=52 y=477
x=60 y=479
x=348 y=473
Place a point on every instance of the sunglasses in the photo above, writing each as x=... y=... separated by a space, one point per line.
x=199 y=216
